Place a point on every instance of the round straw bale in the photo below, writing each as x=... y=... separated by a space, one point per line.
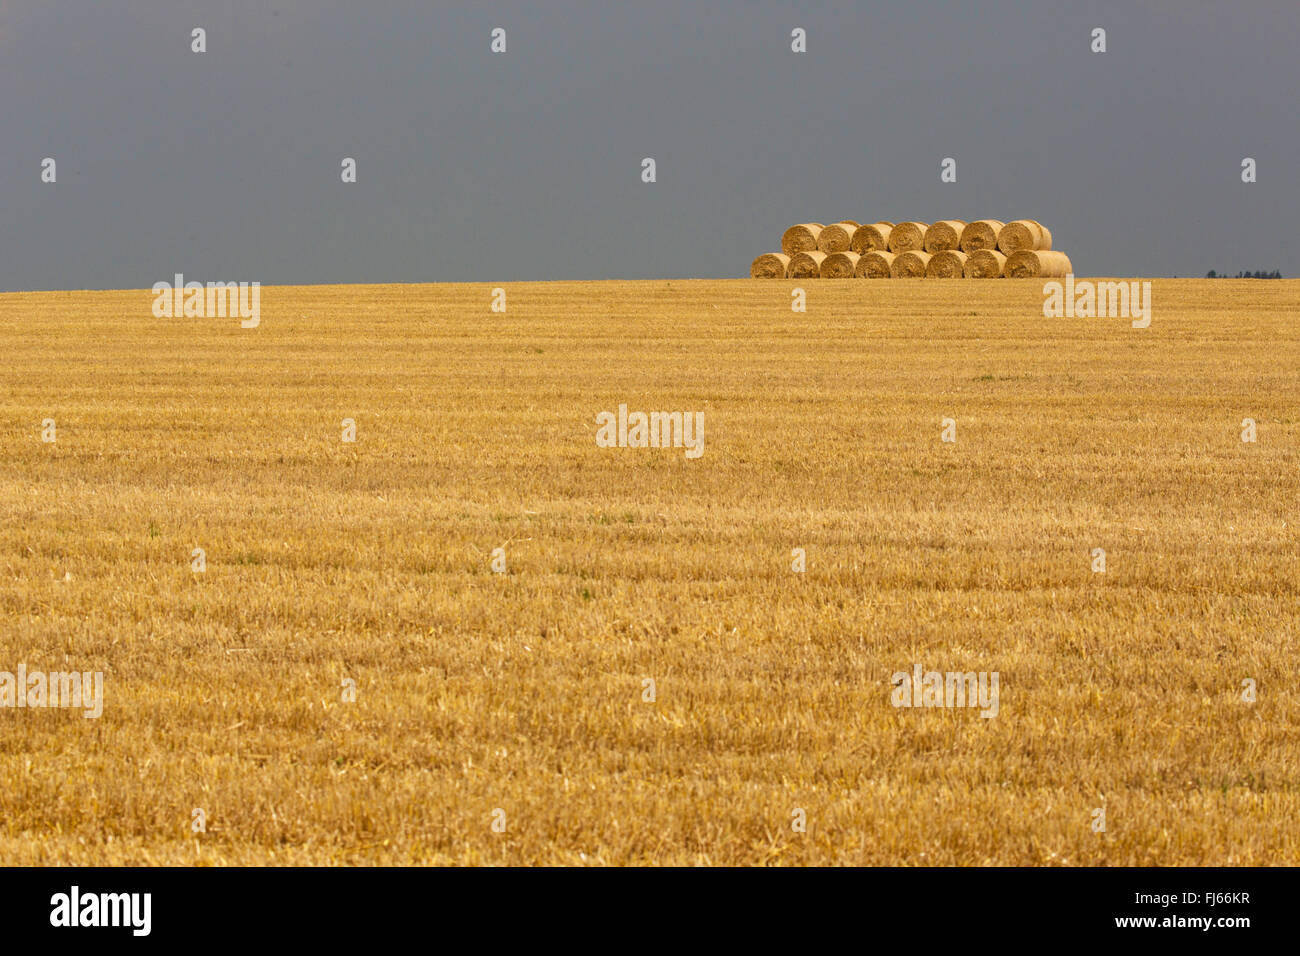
x=980 y=234
x=875 y=265
x=805 y=265
x=873 y=237
x=944 y=234
x=985 y=264
x=852 y=222
x=836 y=237
x=1035 y=264
x=946 y=264
x=840 y=265
x=770 y=265
x=885 y=222
x=910 y=265
x=801 y=238
x=1023 y=234
x=1047 y=234
x=907 y=237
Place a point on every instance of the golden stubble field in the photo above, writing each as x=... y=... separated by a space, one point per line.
x=523 y=692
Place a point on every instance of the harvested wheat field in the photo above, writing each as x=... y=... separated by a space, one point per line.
x=527 y=692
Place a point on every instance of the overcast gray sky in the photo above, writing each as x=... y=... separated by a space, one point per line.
x=475 y=166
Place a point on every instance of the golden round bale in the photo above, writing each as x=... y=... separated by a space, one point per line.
x=1047 y=234
x=836 y=237
x=1038 y=264
x=806 y=265
x=801 y=238
x=875 y=265
x=907 y=237
x=943 y=235
x=946 y=264
x=980 y=234
x=910 y=265
x=840 y=265
x=985 y=264
x=1023 y=234
x=770 y=265
x=873 y=237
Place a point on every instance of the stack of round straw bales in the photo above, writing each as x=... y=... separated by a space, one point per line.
x=947 y=249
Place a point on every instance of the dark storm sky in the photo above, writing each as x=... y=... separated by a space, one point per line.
x=526 y=165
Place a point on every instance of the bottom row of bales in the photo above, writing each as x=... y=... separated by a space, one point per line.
x=949 y=264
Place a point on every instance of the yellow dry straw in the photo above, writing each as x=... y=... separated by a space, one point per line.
x=947 y=264
x=871 y=238
x=840 y=265
x=800 y=238
x=910 y=265
x=907 y=237
x=805 y=265
x=770 y=265
x=875 y=265
x=980 y=234
x=836 y=237
x=985 y=264
x=1023 y=234
x=1035 y=264
x=942 y=235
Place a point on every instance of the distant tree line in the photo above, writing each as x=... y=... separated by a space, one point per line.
x=1275 y=274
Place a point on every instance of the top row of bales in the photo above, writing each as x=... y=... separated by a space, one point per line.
x=949 y=248
x=941 y=236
